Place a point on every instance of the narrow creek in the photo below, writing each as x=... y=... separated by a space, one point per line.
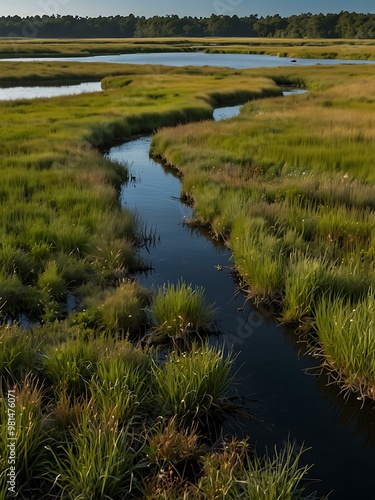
x=290 y=403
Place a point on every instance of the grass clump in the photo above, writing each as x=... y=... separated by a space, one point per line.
x=178 y=309
x=301 y=285
x=275 y=477
x=122 y=385
x=233 y=472
x=14 y=296
x=257 y=257
x=120 y=312
x=70 y=366
x=18 y=353
x=98 y=460
x=30 y=431
x=222 y=470
x=345 y=332
x=191 y=385
x=51 y=282
x=124 y=310
x=170 y=444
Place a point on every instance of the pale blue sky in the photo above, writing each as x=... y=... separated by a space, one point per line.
x=199 y=8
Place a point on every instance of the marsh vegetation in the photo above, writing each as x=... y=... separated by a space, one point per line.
x=64 y=230
x=98 y=412
x=102 y=417
x=288 y=185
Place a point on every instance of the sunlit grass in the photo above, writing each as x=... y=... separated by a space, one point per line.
x=276 y=477
x=123 y=310
x=60 y=206
x=345 y=332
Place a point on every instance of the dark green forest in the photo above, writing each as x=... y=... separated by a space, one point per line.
x=342 y=25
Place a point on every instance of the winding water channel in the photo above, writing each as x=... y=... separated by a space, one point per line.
x=289 y=402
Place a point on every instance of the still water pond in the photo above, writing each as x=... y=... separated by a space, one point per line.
x=271 y=366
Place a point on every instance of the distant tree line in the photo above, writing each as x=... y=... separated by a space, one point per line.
x=343 y=25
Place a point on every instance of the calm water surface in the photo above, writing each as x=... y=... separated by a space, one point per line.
x=270 y=361
x=239 y=61
x=13 y=93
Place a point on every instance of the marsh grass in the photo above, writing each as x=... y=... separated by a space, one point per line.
x=301 y=286
x=110 y=256
x=192 y=385
x=51 y=282
x=14 y=295
x=222 y=470
x=289 y=186
x=118 y=312
x=106 y=418
x=276 y=477
x=179 y=309
x=270 y=477
x=17 y=354
x=114 y=400
x=345 y=331
x=31 y=458
x=170 y=444
x=98 y=461
x=122 y=386
x=61 y=208
x=124 y=310
x=257 y=257
x=70 y=366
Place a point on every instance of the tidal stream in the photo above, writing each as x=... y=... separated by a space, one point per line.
x=290 y=403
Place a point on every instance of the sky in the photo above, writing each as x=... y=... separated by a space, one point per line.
x=199 y=8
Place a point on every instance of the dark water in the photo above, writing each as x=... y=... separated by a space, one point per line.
x=239 y=61
x=270 y=362
x=13 y=93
